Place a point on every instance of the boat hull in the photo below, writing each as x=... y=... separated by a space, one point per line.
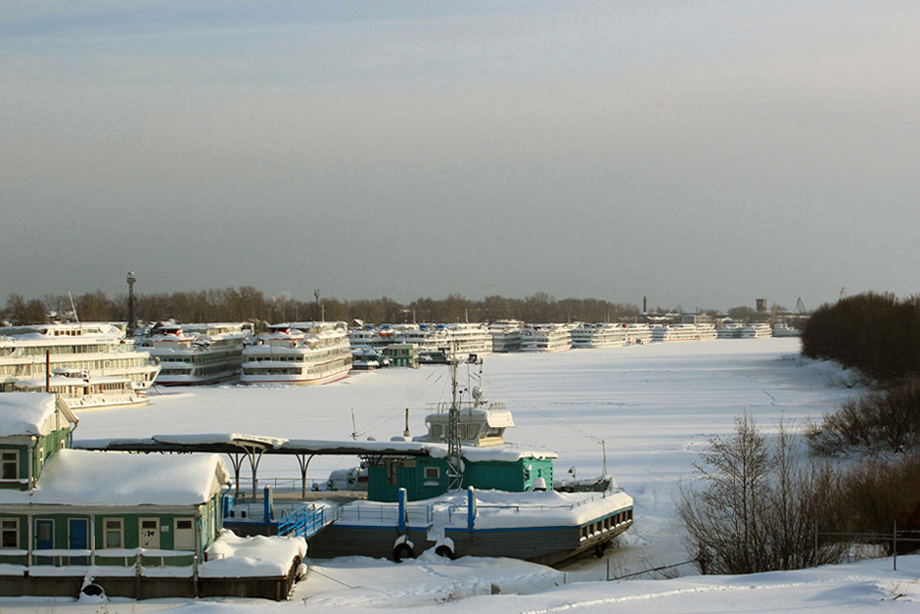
x=544 y=545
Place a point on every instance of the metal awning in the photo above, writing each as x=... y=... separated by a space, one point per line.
x=253 y=447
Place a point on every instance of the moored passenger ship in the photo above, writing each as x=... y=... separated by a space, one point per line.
x=684 y=332
x=469 y=338
x=599 y=335
x=506 y=335
x=94 y=348
x=199 y=354
x=546 y=338
x=298 y=353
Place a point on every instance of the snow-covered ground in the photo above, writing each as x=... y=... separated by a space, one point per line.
x=655 y=407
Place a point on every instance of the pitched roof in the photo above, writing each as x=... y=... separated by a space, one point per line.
x=79 y=477
x=27 y=413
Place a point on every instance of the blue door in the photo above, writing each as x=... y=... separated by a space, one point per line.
x=44 y=540
x=78 y=538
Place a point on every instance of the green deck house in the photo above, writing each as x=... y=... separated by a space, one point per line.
x=97 y=508
x=487 y=462
x=403 y=354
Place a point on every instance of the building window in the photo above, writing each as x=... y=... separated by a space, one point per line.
x=432 y=473
x=9 y=465
x=113 y=533
x=9 y=533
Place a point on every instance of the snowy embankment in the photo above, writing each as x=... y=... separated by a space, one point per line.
x=651 y=408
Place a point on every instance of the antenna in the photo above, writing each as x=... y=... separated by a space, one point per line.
x=354 y=428
x=73 y=308
x=604 y=448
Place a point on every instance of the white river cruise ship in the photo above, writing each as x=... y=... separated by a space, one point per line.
x=299 y=353
x=95 y=348
x=200 y=354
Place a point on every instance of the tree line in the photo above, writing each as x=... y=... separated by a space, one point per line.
x=247 y=304
x=877 y=334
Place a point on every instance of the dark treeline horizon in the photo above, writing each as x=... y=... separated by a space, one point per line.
x=876 y=333
x=247 y=304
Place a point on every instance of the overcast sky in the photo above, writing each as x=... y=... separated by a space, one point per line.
x=702 y=154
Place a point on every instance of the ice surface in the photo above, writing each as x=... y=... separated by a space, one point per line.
x=654 y=406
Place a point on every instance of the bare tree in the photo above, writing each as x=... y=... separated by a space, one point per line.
x=754 y=506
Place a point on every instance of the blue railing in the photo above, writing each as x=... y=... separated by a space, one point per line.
x=303 y=522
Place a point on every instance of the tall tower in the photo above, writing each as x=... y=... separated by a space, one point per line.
x=131 y=317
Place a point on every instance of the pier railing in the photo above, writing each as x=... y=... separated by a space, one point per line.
x=139 y=558
x=304 y=522
x=416 y=515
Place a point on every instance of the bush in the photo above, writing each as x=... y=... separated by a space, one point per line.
x=881 y=493
x=756 y=506
x=885 y=420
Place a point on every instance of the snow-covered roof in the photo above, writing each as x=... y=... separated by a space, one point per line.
x=27 y=413
x=80 y=477
x=218 y=438
x=229 y=443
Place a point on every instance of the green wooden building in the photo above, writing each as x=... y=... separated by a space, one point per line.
x=65 y=507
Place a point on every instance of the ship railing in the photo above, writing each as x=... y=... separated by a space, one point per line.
x=460 y=509
x=384 y=513
x=442 y=407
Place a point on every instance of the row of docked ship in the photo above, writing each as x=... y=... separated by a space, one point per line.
x=437 y=343
x=298 y=353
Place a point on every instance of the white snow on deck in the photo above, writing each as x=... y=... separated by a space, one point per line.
x=239 y=557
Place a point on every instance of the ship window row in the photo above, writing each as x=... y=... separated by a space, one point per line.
x=189 y=370
x=606 y=524
x=292 y=357
x=295 y=371
x=38 y=368
x=202 y=358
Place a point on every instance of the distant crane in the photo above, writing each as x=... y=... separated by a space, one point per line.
x=800 y=307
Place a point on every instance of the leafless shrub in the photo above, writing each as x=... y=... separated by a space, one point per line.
x=884 y=420
x=755 y=505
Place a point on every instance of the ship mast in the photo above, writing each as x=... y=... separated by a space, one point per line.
x=454 y=456
x=454 y=453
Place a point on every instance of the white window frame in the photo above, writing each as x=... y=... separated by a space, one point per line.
x=120 y=530
x=4 y=462
x=9 y=525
